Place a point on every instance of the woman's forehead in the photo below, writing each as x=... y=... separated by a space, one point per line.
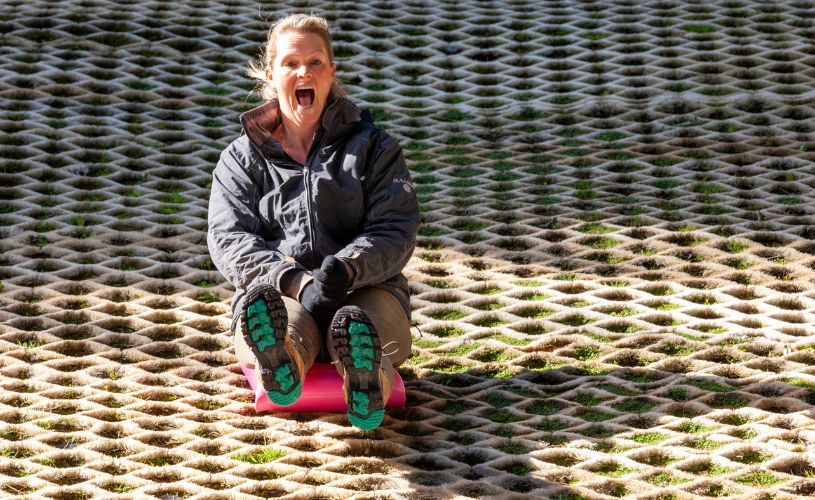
x=295 y=42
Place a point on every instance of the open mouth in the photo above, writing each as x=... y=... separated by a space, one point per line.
x=305 y=97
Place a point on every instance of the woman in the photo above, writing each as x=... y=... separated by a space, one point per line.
x=312 y=218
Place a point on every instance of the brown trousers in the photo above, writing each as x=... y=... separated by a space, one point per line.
x=385 y=312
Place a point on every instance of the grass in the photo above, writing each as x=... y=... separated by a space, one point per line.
x=490 y=322
x=596 y=229
x=506 y=339
x=446 y=331
x=586 y=353
x=634 y=406
x=759 y=478
x=799 y=382
x=617 y=389
x=544 y=408
x=513 y=448
x=447 y=315
x=600 y=243
x=734 y=246
x=664 y=479
x=587 y=399
x=751 y=457
x=699 y=28
x=595 y=416
x=727 y=400
x=462 y=350
x=611 y=469
x=694 y=428
x=259 y=456
x=704 y=444
x=707 y=468
x=709 y=385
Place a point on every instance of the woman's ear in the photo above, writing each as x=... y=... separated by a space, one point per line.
x=268 y=73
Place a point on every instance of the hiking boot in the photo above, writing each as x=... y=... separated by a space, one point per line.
x=357 y=353
x=279 y=367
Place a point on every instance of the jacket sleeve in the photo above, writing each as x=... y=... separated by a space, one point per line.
x=236 y=247
x=391 y=219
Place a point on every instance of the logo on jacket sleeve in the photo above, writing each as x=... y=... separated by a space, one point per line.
x=406 y=184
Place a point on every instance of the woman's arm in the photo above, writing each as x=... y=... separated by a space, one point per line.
x=237 y=250
x=392 y=218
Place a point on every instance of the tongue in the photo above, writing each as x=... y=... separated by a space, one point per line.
x=304 y=97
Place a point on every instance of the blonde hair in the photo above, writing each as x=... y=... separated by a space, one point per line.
x=300 y=23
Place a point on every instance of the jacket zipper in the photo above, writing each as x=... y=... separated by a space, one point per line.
x=309 y=211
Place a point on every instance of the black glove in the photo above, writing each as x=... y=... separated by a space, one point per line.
x=324 y=294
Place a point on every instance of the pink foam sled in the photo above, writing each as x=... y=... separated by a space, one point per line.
x=322 y=392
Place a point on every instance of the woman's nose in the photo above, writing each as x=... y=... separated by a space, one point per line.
x=302 y=71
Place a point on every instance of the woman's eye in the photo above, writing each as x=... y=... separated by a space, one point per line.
x=291 y=65
x=316 y=62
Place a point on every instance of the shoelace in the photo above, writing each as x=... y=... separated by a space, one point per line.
x=385 y=354
x=389 y=354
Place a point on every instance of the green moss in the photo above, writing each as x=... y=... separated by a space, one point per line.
x=708 y=385
x=259 y=456
x=461 y=350
x=544 y=407
x=513 y=448
x=734 y=246
x=587 y=399
x=617 y=389
x=708 y=468
x=699 y=28
x=728 y=400
x=704 y=444
x=611 y=469
x=798 y=382
x=759 y=478
x=634 y=406
x=595 y=415
x=649 y=437
x=506 y=339
x=207 y=297
x=501 y=416
x=586 y=353
x=664 y=479
x=751 y=457
x=446 y=331
x=447 y=314
x=694 y=428
x=453 y=116
x=597 y=431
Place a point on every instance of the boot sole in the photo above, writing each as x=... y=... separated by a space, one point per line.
x=264 y=330
x=359 y=349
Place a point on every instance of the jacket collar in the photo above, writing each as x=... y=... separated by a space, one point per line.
x=339 y=117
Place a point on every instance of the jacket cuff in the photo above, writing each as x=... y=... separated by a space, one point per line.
x=293 y=281
x=350 y=269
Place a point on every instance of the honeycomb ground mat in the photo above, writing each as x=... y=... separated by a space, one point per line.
x=613 y=285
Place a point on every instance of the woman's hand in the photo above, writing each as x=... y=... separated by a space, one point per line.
x=324 y=294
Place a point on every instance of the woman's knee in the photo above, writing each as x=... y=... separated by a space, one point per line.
x=389 y=318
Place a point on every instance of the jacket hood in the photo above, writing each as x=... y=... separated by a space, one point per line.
x=339 y=117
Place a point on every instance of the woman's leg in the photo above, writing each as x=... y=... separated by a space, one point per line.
x=306 y=337
x=301 y=333
x=369 y=335
x=389 y=319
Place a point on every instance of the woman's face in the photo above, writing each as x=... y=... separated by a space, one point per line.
x=302 y=75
